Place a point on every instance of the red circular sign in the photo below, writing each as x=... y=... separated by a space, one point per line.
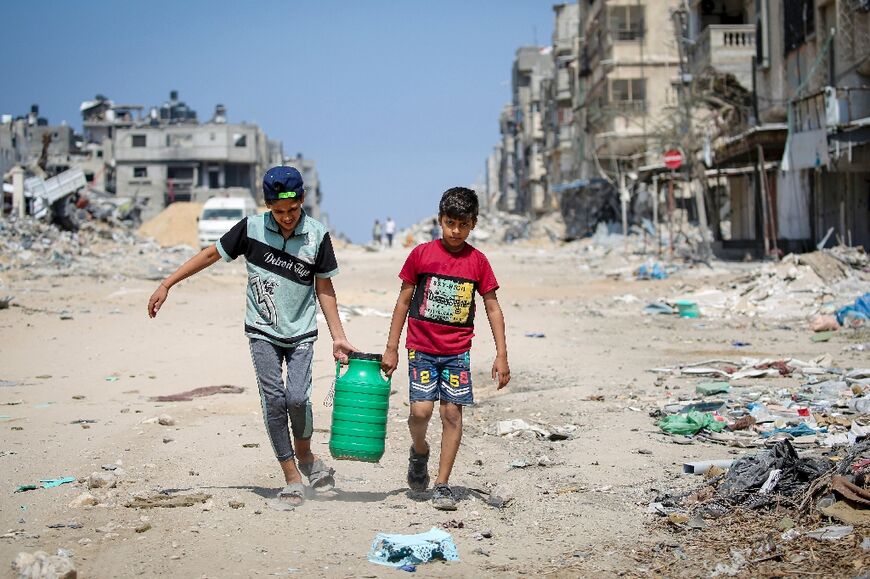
x=673 y=159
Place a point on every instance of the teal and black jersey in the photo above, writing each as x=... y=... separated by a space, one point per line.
x=281 y=274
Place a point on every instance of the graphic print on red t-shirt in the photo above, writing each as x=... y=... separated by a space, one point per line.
x=444 y=299
x=441 y=318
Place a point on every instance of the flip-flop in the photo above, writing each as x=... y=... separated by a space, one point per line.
x=320 y=477
x=293 y=494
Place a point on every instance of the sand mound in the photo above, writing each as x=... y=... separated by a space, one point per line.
x=175 y=225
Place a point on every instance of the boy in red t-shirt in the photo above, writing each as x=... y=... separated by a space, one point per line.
x=439 y=279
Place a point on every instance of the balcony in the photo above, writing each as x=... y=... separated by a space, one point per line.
x=831 y=109
x=727 y=49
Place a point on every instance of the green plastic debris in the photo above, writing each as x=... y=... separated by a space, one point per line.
x=690 y=423
x=822 y=336
x=56 y=482
x=47 y=483
x=708 y=388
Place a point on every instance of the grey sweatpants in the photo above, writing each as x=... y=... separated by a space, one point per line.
x=282 y=400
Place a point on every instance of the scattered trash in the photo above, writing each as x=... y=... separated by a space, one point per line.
x=823 y=323
x=701 y=467
x=396 y=550
x=710 y=388
x=658 y=308
x=46 y=484
x=856 y=314
x=198 y=393
x=822 y=336
x=687 y=309
x=535 y=335
x=831 y=533
x=751 y=472
x=691 y=423
x=740 y=344
x=651 y=271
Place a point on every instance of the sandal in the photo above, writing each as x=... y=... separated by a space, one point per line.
x=293 y=494
x=320 y=477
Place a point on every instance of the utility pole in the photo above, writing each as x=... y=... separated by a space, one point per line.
x=680 y=19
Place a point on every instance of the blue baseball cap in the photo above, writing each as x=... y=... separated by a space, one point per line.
x=282 y=183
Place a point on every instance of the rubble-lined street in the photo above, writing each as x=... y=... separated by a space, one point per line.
x=109 y=418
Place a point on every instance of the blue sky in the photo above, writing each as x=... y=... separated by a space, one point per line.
x=396 y=101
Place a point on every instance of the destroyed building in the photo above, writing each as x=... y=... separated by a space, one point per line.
x=154 y=156
x=26 y=139
x=766 y=102
x=169 y=156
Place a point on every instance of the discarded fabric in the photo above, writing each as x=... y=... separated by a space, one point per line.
x=395 y=550
x=855 y=314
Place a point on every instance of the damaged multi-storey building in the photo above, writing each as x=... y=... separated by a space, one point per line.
x=765 y=102
x=155 y=155
x=797 y=172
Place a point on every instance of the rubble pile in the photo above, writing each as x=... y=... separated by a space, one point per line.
x=797 y=287
x=495 y=227
x=773 y=513
x=806 y=478
x=95 y=250
x=756 y=402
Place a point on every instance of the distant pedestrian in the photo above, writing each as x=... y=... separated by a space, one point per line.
x=435 y=231
x=390 y=230
x=376 y=233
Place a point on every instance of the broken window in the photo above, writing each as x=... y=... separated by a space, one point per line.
x=140 y=172
x=138 y=140
x=625 y=22
x=240 y=140
x=237 y=175
x=628 y=94
x=799 y=19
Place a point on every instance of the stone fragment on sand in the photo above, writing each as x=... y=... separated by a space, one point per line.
x=235 y=504
x=41 y=565
x=84 y=500
x=500 y=497
x=99 y=480
x=165 y=420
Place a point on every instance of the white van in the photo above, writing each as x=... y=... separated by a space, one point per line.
x=219 y=214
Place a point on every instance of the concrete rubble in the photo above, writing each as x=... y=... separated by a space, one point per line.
x=95 y=250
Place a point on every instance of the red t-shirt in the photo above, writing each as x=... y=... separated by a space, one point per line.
x=441 y=318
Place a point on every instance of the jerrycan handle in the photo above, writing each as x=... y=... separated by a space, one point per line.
x=331 y=396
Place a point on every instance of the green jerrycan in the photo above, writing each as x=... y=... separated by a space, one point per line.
x=359 y=409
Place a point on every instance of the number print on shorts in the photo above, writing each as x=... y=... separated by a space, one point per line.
x=424 y=376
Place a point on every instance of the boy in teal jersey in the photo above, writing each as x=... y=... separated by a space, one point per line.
x=290 y=260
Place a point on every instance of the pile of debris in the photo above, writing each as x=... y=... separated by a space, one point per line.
x=494 y=227
x=774 y=510
x=797 y=287
x=829 y=407
x=95 y=250
x=787 y=506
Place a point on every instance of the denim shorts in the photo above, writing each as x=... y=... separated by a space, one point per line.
x=446 y=378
